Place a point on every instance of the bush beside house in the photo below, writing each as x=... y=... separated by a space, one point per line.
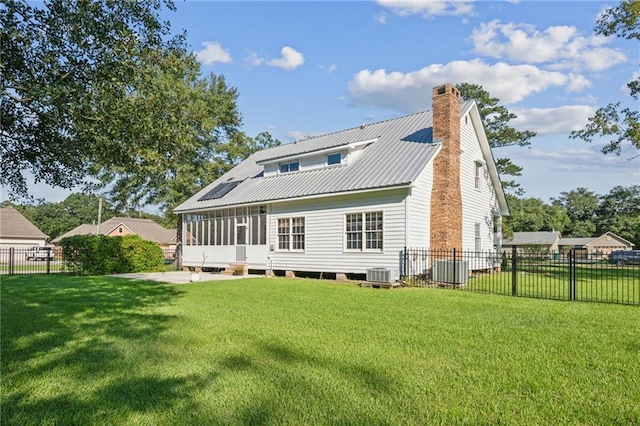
x=101 y=255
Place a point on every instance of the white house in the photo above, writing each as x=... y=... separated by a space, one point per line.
x=352 y=200
x=17 y=231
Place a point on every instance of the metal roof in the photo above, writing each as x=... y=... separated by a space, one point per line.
x=403 y=147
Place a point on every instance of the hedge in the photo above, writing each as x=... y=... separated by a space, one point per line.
x=102 y=255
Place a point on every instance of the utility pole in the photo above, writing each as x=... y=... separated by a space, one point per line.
x=99 y=215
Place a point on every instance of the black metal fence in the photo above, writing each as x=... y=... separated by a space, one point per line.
x=571 y=275
x=44 y=260
x=31 y=260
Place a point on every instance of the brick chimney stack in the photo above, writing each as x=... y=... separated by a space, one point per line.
x=446 y=196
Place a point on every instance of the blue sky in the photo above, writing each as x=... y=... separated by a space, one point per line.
x=306 y=68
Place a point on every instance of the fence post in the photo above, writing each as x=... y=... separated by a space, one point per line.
x=570 y=269
x=49 y=255
x=572 y=274
x=455 y=268
x=404 y=262
x=514 y=271
x=11 y=260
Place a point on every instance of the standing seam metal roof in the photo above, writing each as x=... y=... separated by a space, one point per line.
x=404 y=146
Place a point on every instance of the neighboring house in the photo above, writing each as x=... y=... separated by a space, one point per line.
x=352 y=200
x=145 y=228
x=599 y=246
x=538 y=241
x=17 y=231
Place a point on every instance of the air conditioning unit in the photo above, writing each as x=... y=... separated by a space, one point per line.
x=382 y=275
x=451 y=271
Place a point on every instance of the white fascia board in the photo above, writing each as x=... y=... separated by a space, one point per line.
x=474 y=113
x=306 y=197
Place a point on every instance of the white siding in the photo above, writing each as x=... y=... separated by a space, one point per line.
x=478 y=205
x=325 y=233
x=307 y=162
x=22 y=242
x=419 y=209
x=223 y=256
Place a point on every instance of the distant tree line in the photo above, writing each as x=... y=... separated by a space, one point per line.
x=579 y=213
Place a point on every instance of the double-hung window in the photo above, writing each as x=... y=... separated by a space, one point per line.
x=363 y=231
x=291 y=232
x=478 y=176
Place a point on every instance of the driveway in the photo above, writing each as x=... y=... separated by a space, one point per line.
x=181 y=277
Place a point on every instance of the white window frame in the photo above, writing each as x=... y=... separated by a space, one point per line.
x=290 y=234
x=478 y=176
x=477 y=234
x=363 y=231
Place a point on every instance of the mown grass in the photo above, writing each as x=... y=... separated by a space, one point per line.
x=100 y=350
x=595 y=282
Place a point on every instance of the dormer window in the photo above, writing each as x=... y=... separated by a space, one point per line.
x=334 y=159
x=292 y=166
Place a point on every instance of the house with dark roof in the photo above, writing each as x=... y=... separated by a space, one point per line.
x=538 y=241
x=121 y=226
x=598 y=246
x=17 y=231
x=352 y=200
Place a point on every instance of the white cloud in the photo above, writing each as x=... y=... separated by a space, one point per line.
x=563 y=119
x=213 y=52
x=290 y=59
x=560 y=47
x=410 y=92
x=332 y=68
x=253 y=59
x=428 y=8
x=587 y=158
x=577 y=82
x=381 y=18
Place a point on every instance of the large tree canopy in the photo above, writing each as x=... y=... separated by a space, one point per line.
x=97 y=92
x=619 y=126
x=64 y=65
x=495 y=118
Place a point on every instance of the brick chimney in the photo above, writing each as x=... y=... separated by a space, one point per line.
x=446 y=197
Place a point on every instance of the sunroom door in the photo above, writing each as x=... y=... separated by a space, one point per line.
x=241 y=239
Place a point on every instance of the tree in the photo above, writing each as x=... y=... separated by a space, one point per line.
x=62 y=64
x=54 y=219
x=97 y=93
x=496 y=119
x=581 y=206
x=620 y=126
x=532 y=214
x=619 y=212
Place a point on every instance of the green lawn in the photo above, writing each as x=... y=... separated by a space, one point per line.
x=101 y=350
x=596 y=282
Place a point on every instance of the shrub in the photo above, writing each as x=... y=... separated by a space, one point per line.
x=101 y=255
x=141 y=255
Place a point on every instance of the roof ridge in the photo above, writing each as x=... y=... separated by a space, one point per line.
x=361 y=126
